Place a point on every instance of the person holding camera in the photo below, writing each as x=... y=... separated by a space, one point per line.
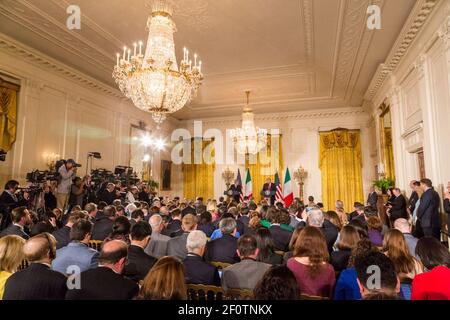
x=66 y=173
x=9 y=200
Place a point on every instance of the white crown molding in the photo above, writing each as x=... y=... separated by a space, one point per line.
x=26 y=53
x=411 y=29
x=284 y=116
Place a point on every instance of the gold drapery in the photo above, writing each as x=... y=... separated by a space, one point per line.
x=340 y=164
x=8 y=114
x=389 y=154
x=198 y=178
x=264 y=164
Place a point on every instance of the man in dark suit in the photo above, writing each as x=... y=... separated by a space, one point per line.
x=224 y=248
x=174 y=229
x=38 y=281
x=414 y=185
x=136 y=216
x=316 y=219
x=268 y=191
x=9 y=201
x=62 y=235
x=139 y=263
x=176 y=247
x=109 y=194
x=447 y=205
x=236 y=190
x=198 y=271
x=281 y=237
x=106 y=282
x=397 y=208
x=20 y=219
x=103 y=225
x=428 y=211
x=372 y=198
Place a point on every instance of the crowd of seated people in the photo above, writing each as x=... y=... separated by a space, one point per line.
x=159 y=248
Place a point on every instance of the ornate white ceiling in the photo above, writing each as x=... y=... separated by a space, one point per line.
x=293 y=54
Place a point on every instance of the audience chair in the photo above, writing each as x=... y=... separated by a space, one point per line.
x=309 y=297
x=96 y=244
x=280 y=253
x=204 y=292
x=220 y=265
x=239 y=294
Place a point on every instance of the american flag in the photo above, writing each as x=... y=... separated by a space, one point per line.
x=279 y=192
x=239 y=179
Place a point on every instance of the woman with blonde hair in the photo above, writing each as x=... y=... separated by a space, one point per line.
x=11 y=256
x=165 y=281
x=395 y=247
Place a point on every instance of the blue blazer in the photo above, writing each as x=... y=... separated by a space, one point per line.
x=75 y=253
x=346 y=286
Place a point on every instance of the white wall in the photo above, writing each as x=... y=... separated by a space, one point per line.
x=64 y=112
x=300 y=142
x=418 y=92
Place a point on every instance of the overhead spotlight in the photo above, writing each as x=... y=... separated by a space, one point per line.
x=146 y=158
x=160 y=144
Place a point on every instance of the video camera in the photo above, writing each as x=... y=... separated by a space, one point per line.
x=38 y=176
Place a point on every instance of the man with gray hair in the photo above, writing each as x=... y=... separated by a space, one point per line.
x=402 y=225
x=224 y=249
x=197 y=270
x=329 y=230
x=157 y=247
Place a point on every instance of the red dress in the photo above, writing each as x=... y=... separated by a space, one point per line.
x=432 y=285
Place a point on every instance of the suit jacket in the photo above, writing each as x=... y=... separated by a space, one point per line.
x=245 y=220
x=281 y=237
x=428 y=211
x=157 y=247
x=103 y=284
x=37 y=282
x=372 y=199
x=222 y=249
x=173 y=229
x=243 y=275
x=199 y=272
x=14 y=230
x=7 y=204
x=102 y=228
x=176 y=247
x=399 y=208
x=75 y=253
x=273 y=189
x=412 y=201
x=447 y=206
x=237 y=190
x=331 y=233
x=62 y=237
x=139 y=263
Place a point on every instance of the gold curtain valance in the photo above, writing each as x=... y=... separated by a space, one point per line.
x=8 y=114
x=339 y=138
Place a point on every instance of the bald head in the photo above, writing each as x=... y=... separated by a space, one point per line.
x=40 y=248
x=402 y=225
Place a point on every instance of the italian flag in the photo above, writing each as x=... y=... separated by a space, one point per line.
x=288 y=195
x=248 y=185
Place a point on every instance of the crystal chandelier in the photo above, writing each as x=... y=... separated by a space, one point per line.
x=153 y=80
x=249 y=139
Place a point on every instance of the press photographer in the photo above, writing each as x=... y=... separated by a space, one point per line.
x=67 y=172
x=9 y=200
